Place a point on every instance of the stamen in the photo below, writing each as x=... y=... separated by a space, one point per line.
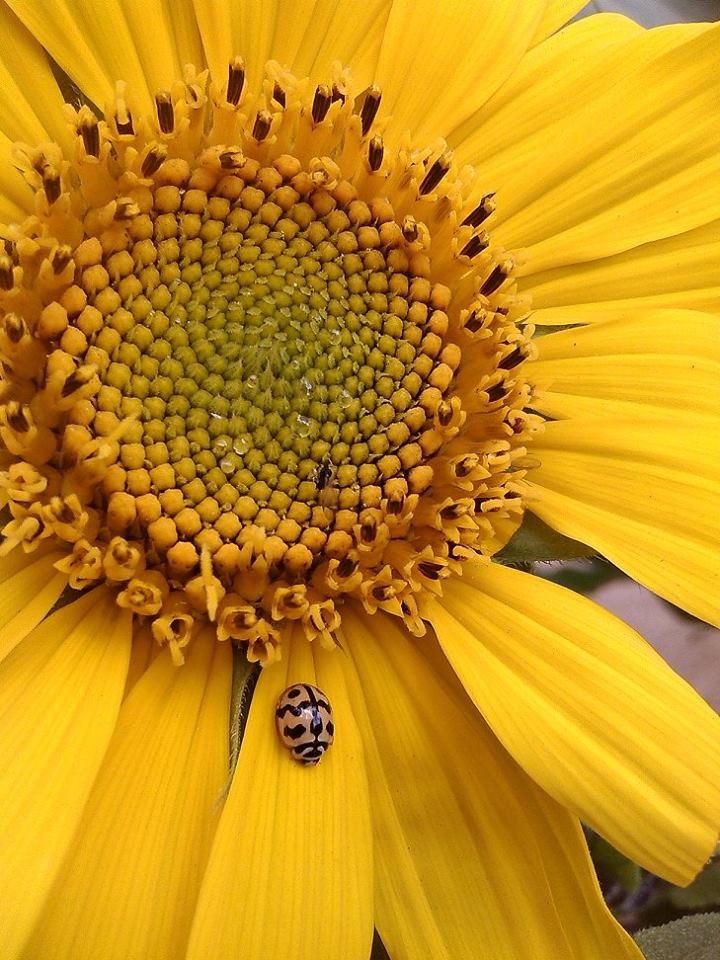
x=90 y=133
x=236 y=80
x=321 y=103
x=435 y=175
x=481 y=212
x=165 y=111
x=376 y=150
x=278 y=95
x=370 y=107
x=261 y=128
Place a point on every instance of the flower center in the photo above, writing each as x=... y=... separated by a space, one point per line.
x=255 y=366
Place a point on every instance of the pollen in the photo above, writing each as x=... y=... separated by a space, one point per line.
x=255 y=366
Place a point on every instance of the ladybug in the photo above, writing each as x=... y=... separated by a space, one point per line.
x=304 y=722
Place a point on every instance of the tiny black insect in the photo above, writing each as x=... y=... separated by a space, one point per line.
x=324 y=474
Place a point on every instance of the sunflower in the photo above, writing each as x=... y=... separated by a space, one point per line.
x=307 y=311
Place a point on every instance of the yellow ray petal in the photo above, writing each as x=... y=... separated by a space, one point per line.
x=556 y=13
x=290 y=871
x=643 y=493
x=29 y=586
x=680 y=271
x=591 y=712
x=648 y=365
x=306 y=37
x=95 y=48
x=16 y=197
x=440 y=62
x=469 y=850
x=30 y=100
x=603 y=188
x=165 y=37
x=554 y=78
x=59 y=697
x=143 y=651
x=128 y=885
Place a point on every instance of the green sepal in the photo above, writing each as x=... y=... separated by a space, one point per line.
x=691 y=938
x=245 y=677
x=613 y=865
x=704 y=891
x=535 y=540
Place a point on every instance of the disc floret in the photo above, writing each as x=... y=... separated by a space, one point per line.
x=254 y=365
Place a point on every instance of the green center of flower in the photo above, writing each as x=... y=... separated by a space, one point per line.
x=270 y=347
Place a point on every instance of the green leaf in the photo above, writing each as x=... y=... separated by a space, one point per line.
x=245 y=677
x=613 y=865
x=535 y=540
x=703 y=892
x=691 y=938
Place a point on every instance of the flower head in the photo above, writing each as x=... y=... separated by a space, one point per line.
x=273 y=383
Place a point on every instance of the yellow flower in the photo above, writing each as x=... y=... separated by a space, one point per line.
x=273 y=381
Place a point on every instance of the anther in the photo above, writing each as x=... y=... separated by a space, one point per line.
x=497 y=277
x=231 y=160
x=512 y=359
x=154 y=159
x=430 y=570
x=337 y=94
x=321 y=103
x=370 y=108
x=14 y=327
x=496 y=392
x=90 y=133
x=60 y=257
x=444 y=413
x=165 y=111
x=346 y=568
x=435 y=174
x=125 y=209
x=261 y=127
x=51 y=186
x=16 y=417
x=278 y=95
x=376 y=149
x=481 y=212
x=410 y=229
x=475 y=245
x=475 y=320
x=125 y=126
x=236 y=80
x=6 y=273
x=78 y=379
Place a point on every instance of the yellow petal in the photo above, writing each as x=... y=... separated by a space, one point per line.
x=593 y=714
x=681 y=271
x=60 y=692
x=644 y=494
x=95 y=48
x=290 y=870
x=306 y=37
x=30 y=100
x=166 y=38
x=648 y=365
x=16 y=197
x=29 y=586
x=469 y=851
x=440 y=62
x=128 y=885
x=556 y=13
x=552 y=79
x=601 y=187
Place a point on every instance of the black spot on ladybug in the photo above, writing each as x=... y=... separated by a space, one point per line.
x=309 y=738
